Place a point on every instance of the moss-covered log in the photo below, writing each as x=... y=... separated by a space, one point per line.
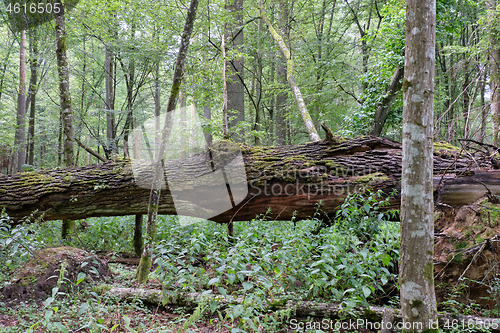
x=371 y=315
x=283 y=182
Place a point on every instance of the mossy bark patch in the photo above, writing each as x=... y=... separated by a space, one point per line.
x=37 y=278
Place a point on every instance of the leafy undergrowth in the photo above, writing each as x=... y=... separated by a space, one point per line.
x=351 y=262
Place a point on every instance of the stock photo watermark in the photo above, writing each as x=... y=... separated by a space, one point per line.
x=327 y=324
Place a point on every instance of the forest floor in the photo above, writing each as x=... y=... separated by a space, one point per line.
x=85 y=310
x=352 y=262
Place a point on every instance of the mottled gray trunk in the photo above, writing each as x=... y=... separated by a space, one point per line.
x=225 y=124
x=32 y=96
x=282 y=97
x=111 y=147
x=418 y=301
x=68 y=226
x=64 y=92
x=207 y=114
x=484 y=113
x=19 y=157
x=144 y=267
x=235 y=86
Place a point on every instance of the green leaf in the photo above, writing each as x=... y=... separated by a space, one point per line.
x=60 y=327
x=350 y=290
x=83 y=309
x=386 y=259
x=366 y=291
x=213 y=281
x=81 y=276
x=222 y=291
x=247 y=286
x=384 y=281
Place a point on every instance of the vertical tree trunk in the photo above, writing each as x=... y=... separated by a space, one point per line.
x=145 y=262
x=138 y=239
x=418 y=301
x=282 y=97
x=207 y=114
x=272 y=104
x=494 y=70
x=110 y=103
x=68 y=226
x=225 y=121
x=258 y=89
x=384 y=108
x=484 y=113
x=5 y=63
x=130 y=105
x=19 y=157
x=32 y=95
x=235 y=87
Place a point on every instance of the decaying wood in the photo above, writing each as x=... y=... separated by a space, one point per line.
x=283 y=182
x=300 y=308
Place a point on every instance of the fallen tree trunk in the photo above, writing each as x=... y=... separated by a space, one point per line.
x=368 y=315
x=283 y=182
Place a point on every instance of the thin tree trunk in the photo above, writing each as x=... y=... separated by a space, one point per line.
x=32 y=94
x=484 y=113
x=110 y=103
x=145 y=263
x=418 y=300
x=68 y=226
x=306 y=117
x=258 y=90
x=207 y=114
x=19 y=157
x=138 y=238
x=5 y=62
x=384 y=108
x=494 y=70
x=235 y=86
x=130 y=104
x=282 y=97
x=225 y=122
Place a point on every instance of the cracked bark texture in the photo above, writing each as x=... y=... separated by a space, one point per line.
x=418 y=300
x=288 y=180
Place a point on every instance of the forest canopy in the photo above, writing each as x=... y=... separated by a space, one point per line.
x=345 y=54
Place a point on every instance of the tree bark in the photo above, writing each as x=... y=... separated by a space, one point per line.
x=138 y=239
x=306 y=117
x=111 y=147
x=280 y=121
x=291 y=180
x=416 y=274
x=383 y=109
x=235 y=70
x=154 y=200
x=225 y=120
x=19 y=157
x=32 y=96
x=494 y=70
x=68 y=226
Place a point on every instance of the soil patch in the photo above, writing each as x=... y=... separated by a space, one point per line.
x=467 y=253
x=51 y=267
